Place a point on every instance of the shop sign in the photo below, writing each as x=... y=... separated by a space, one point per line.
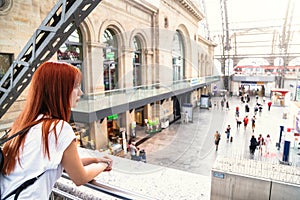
x=113 y=117
x=249 y=82
x=194 y=81
x=219 y=175
x=110 y=55
x=298 y=93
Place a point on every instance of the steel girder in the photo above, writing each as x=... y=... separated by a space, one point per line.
x=63 y=19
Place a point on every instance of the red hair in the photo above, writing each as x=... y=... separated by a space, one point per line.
x=49 y=94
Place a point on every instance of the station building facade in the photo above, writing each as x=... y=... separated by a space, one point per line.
x=128 y=52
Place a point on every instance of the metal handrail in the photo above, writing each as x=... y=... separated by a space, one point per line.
x=208 y=80
x=111 y=190
x=65 y=195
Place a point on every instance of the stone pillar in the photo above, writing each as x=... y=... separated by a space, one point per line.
x=202 y=68
x=126 y=71
x=99 y=135
x=129 y=119
x=148 y=71
x=93 y=68
x=164 y=67
x=205 y=66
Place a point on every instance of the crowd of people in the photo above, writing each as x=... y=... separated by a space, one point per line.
x=260 y=143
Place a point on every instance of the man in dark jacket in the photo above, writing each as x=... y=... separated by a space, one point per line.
x=253 y=144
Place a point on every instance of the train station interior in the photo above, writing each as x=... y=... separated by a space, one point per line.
x=164 y=76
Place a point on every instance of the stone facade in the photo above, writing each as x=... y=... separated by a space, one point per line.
x=154 y=23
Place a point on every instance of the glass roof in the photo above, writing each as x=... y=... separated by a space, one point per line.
x=256 y=28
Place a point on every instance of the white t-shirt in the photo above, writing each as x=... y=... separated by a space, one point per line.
x=133 y=150
x=34 y=163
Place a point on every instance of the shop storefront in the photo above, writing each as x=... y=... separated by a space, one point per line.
x=113 y=128
x=116 y=133
x=294 y=113
x=139 y=116
x=82 y=132
x=279 y=97
x=153 y=126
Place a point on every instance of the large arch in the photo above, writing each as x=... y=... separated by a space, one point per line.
x=142 y=34
x=178 y=56
x=117 y=27
x=114 y=63
x=187 y=50
x=138 y=43
x=87 y=30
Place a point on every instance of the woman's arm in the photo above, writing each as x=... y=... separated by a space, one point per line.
x=75 y=168
x=105 y=159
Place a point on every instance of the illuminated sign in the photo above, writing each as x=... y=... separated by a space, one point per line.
x=112 y=117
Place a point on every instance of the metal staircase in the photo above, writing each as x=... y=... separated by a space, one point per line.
x=62 y=20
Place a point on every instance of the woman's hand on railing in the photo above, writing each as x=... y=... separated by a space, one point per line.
x=108 y=161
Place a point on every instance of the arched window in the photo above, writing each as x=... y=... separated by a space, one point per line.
x=71 y=50
x=137 y=62
x=110 y=64
x=178 y=57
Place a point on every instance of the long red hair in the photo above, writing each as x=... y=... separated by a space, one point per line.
x=49 y=94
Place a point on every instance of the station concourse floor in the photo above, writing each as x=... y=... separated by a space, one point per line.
x=190 y=146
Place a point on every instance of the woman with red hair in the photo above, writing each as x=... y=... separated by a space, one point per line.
x=49 y=146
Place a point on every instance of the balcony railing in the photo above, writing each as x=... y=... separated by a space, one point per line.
x=93 y=102
x=63 y=192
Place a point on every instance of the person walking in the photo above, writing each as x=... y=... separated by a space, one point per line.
x=253 y=123
x=238 y=122
x=215 y=104
x=217 y=139
x=261 y=142
x=256 y=98
x=237 y=111
x=246 y=120
x=253 y=144
x=133 y=150
x=222 y=104
x=49 y=147
x=242 y=99
x=260 y=109
x=247 y=108
x=255 y=109
x=268 y=143
x=248 y=98
x=228 y=132
x=227 y=105
x=269 y=105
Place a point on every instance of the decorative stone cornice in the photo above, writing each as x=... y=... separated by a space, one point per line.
x=205 y=41
x=191 y=7
x=146 y=5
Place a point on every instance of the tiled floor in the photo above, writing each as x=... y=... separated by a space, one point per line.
x=180 y=158
x=190 y=147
